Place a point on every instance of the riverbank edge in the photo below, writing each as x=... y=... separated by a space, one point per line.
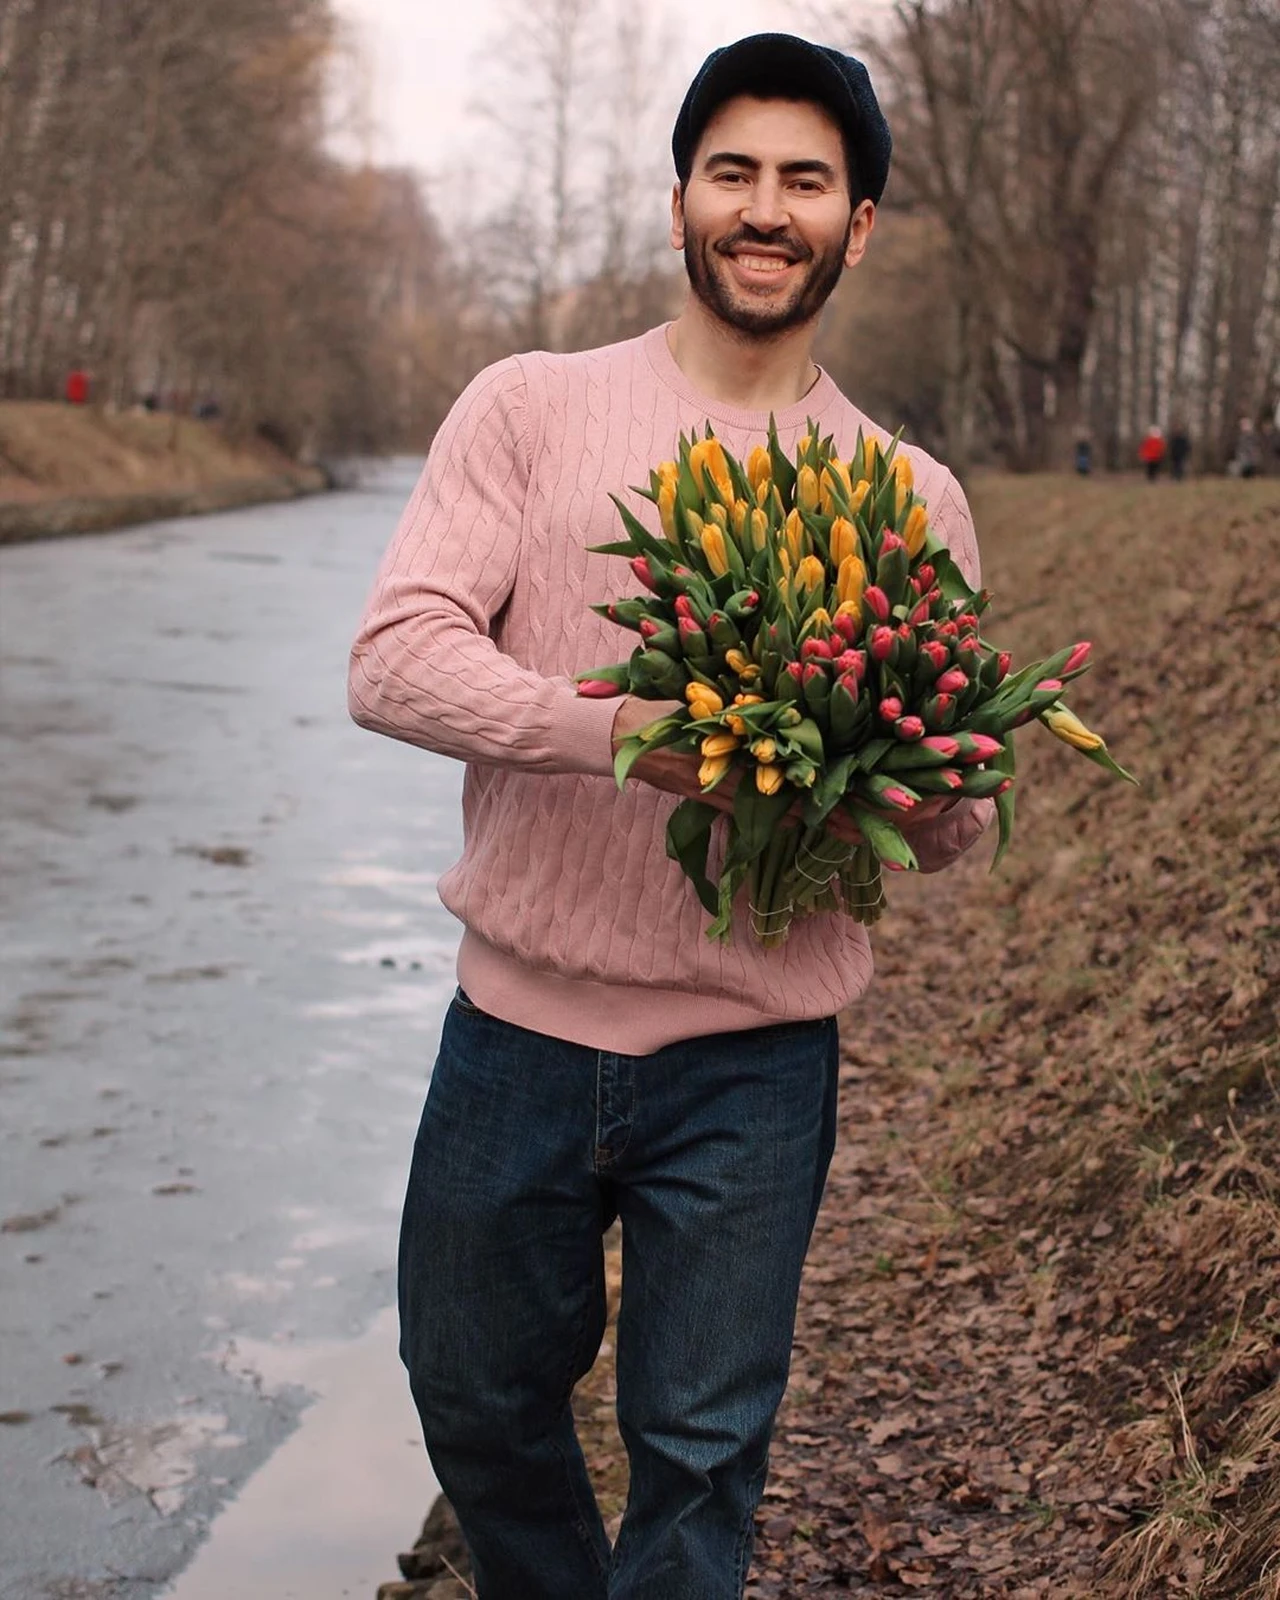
x=22 y=522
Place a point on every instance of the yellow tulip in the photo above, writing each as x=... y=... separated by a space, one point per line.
x=741 y=665
x=860 y=493
x=759 y=470
x=802 y=449
x=784 y=560
x=819 y=623
x=849 y=608
x=1071 y=730
x=844 y=541
x=736 y=725
x=870 y=450
x=713 y=547
x=769 y=779
x=808 y=490
x=739 y=519
x=693 y=522
x=764 y=750
x=913 y=533
x=834 y=474
x=706 y=702
x=667 y=510
x=903 y=471
x=748 y=700
x=669 y=472
x=707 y=462
x=719 y=744
x=901 y=500
x=720 y=517
x=794 y=534
x=851 y=580
x=811 y=574
x=713 y=769
x=759 y=530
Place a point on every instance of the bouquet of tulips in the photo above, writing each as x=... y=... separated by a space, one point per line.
x=829 y=658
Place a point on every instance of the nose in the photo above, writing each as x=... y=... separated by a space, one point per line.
x=766 y=210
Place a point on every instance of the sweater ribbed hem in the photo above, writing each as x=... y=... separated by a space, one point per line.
x=625 y=1018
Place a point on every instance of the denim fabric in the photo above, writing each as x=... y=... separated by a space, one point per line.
x=713 y=1152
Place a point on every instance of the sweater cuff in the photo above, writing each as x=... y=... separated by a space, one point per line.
x=582 y=736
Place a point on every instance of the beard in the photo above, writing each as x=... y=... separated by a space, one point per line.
x=762 y=318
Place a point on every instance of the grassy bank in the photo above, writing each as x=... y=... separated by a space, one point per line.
x=67 y=469
x=1039 y=1339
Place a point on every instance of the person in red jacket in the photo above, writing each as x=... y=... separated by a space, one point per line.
x=77 y=390
x=1151 y=452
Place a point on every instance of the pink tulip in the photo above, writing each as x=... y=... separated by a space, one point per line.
x=952 y=682
x=890 y=542
x=640 y=566
x=935 y=653
x=899 y=797
x=684 y=607
x=877 y=602
x=981 y=748
x=890 y=708
x=648 y=627
x=909 y=728
x=942 y=744
x=598 y=689
x=881 y=643
x=1078 y=656
x=1049 y=686
x=1004 y=661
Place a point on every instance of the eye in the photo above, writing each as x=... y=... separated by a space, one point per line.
x=731 y=177
x=808 y=186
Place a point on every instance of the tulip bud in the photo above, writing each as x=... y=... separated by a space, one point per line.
x=844 y=541
x=713 y=769
x=914 y=532
x=909 y=729
x=889 y=542
x=808 y=490
x=739 y=519
x=851 y=582
x=876 y=601
x=890 y=709
x=1005 y=659
x=848 y=620
x=713 y=547
x=759 y=468
x=793 y=532
x=1076 y=660
x=1049 y=686
x=693 y=641
x=952 y=682
x=718 y=744
x=902 y=470
x=667 y=510
x=977 y=747
x=669 y=472
x=739 y=662
x=815 y=650
x=851 y=661
x=640 y=566
x=684 y=607
x=935 y=653
x=835 y=475
x=720 y=517
x=861 y=490
x=810 y=574
x=881 y=643
x=1069 y=728
x=769 y=779
x=870 y=451
x=926 y=574
x=598 y=689
x=706 y=701
x=764 y=750
x=759 y=530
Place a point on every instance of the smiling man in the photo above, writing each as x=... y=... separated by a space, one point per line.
x=601 y=1058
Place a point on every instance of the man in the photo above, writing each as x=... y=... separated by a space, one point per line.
x=602 y=1058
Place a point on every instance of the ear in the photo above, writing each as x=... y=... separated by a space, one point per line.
x=677 y=219
x=864 y=220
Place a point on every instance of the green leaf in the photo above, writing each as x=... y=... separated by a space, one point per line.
x=1004 y=762
x=641 y=535
x=756 y=818
x=874 y=752
x=884 y=837
x=620 y=547
x=653 y=736
x=1103 y=758
x=688 y=841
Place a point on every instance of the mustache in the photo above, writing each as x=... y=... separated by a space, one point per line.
x=769 y=241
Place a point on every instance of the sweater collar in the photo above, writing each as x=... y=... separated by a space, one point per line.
x=668 y=372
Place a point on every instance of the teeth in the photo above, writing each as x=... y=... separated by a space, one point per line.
x=764 y=263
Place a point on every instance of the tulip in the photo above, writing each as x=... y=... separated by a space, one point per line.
x=937 y=780
x=876 y=601
x=759 y=469
x=759 y=530
x=764 y=750
x=669 y=472
x=718 y=744
x=926 y=574
x=1049 y=686
x=811 y=574
x=1068 y=727
x=861 y=490
x=801 y=773
x=815 y=650
x=881 y=642
x=599 y=689
x=743 y=604
x=870 y=450
x=848 y=619
x=844 y=541
x=967 y=621
x=902 y=470
x=914 y=532
x=720 y=517
x=713 y=547
x=889 y=542
x=640 y=566
x=667 y=510
x=713 y=769
x=693 y=641
x=706 y=702
x=808 y=490
x=1076 y=660
x=909 y=728
x=851 y=661
x=769 y=779
x=920 y=614
x=741 y=511
x=834 y=475
x=976 y=747
x=940 y=711
x=935 y=653
x=805 y=445
x=739 y=662
x=707 y=462
x=1005 y=659
x=684 y=607
x=793 y=532
x=851 y=583
x=890 y=709
x=952 y=682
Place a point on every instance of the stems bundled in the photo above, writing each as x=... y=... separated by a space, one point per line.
x=829 y=655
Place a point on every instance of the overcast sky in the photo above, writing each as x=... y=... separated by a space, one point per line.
x=420 y=58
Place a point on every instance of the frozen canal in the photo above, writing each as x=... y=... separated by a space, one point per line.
x=224 y=968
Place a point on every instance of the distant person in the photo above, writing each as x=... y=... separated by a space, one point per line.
x=77 y=389
x=1246 y=457
x=1179 y=452
x=601 y=1056
x=1084 y=455
x=1151 y=451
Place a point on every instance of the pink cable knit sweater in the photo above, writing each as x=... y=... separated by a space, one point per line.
x=576 y=924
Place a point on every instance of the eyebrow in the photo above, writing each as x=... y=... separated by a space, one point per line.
x=727 y=158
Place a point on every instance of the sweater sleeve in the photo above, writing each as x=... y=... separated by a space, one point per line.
x=938 y=843
x=424 y=667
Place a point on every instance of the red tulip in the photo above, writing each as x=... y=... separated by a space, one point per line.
x=952 y=682
x=890 y=708
x=909 y=728
x=881 y=643
x=1078 y=657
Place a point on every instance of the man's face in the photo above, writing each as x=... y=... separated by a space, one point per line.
x=766 y=223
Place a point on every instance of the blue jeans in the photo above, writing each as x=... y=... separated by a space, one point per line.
x=713 y=1152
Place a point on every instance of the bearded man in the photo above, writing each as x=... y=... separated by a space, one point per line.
x=601 y=1058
